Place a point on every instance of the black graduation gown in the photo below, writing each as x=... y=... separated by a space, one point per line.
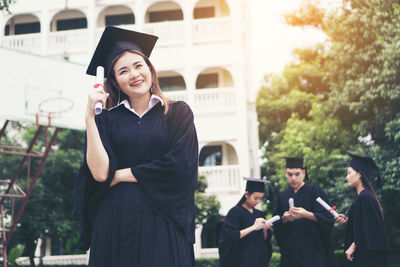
x=151 y=222
x=365 y=227
x=251 y=250
x=302 y=242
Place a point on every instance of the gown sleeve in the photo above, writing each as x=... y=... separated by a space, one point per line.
x=88 y=191
x=368 y=228
x=228 y=244
x=326 y=226
x=279 y=226
x=169 y=182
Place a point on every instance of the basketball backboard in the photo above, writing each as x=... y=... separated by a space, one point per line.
x=31 y=86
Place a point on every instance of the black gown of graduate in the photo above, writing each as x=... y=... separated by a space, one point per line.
x=251 y=250
x=302 y=242
x=365 y=227
x=151 y=222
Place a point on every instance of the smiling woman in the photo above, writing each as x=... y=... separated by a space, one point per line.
x=134 y=79
x=135 y=188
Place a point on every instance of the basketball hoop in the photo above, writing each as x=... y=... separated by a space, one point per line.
x=53 y=108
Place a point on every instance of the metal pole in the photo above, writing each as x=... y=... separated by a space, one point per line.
x=29 y=191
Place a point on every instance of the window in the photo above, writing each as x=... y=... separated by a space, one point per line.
x=112 y=20
x=159 y=16
x=204 y=12
x=209 y=80
x=71 y=24
x=173 y=83
x=25 y=28
x=7 y=30
x=211 y=156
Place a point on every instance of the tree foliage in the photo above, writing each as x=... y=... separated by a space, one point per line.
x=207 y=206
x=339 y=96
x=5 y=4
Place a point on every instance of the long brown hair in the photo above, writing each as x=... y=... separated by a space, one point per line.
x=367 y=185
x=113 y=89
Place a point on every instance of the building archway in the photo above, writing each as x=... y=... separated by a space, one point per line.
x=171 y=81
x=116 y=15
x=211 y=9
x=217 y=154
x=215 y=77
x=164 y=11
x=22 y=24
x=71 y=19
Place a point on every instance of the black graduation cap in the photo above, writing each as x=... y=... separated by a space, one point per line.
x=293 y=162
x=114 y=41
x=364 y=165
x=255 y=185
x=296 y=162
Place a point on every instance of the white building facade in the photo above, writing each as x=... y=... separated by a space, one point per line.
x=203 y=57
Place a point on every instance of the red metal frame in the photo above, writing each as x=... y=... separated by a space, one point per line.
x=13 y=191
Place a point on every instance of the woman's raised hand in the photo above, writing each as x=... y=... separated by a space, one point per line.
x=95 y=96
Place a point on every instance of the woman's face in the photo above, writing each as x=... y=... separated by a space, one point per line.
x=353 y=177
x=254 y=199
x=133 y=75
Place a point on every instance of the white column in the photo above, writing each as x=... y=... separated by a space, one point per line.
x=92 y=14
x=45 y=31
x=190 y=78
x=139 y=10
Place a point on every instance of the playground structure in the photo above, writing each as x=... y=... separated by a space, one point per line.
x=12 y=188
x=44 y=97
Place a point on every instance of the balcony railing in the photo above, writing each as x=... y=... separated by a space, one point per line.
x=26 y=42
x=212 y=30
x=177 y=95
x=171 y=33
x=72 y=41
x=215 y=100
x=225 y=178
x=81 y=259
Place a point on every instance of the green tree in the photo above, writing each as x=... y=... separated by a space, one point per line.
x=207 y=212
x=365 y=88
x=5 y=4
x=49 y=209
x=207 y=206
x=358 y=68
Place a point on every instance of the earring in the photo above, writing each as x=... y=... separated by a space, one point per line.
x=119 y=96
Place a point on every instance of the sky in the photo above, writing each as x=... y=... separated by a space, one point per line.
x=273 y=39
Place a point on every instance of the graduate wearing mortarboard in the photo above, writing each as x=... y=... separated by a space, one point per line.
x=366 y=242
x=245 y=238
x=135 y=189
x=305 y=232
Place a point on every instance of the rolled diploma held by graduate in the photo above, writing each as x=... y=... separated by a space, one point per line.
x=327 y=207
x=271 y=220
x=291 y=203
x=98 y=107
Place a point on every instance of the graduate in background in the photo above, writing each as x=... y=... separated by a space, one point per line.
x=305 y=231
x=135 y=188
x=366 y=242
x=245 y=238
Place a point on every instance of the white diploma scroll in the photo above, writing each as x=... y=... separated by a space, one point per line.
x=98 y=107
x=327 y=207
x=271 y=220
x=291 y=203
